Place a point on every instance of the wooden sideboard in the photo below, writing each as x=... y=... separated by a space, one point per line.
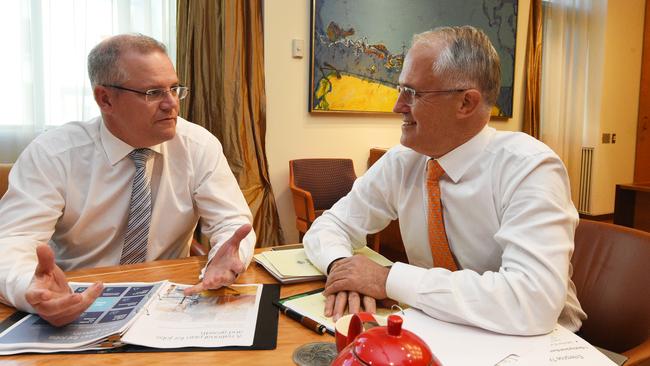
x=632 y=205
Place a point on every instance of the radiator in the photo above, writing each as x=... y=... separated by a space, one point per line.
x=586 y=165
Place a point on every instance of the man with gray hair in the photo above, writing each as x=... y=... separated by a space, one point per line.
x=126 y=187
x=486 y=216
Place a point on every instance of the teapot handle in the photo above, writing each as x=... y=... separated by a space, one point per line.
x=356 y=324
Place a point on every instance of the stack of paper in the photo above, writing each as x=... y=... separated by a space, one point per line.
x=292 y=265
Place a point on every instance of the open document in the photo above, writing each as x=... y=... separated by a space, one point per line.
x=148 y=314
x=225 y=317
x=455 y=344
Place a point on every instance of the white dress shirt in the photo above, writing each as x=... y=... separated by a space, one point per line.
x=510 y=224
x=71 y=187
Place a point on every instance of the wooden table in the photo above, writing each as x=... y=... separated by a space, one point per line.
x=632 y=205
x=290 y=333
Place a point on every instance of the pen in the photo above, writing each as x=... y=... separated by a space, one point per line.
x=287 y=247
x=305 y=321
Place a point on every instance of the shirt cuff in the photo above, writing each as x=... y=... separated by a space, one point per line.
x=330 y=256
x=403 y=282
x=16 y=292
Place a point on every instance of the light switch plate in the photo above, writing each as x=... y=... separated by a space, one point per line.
x=297 y=48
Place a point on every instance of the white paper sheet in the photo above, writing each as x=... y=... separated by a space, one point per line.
x=459 y=345
x=565 y=348
x=210 y=320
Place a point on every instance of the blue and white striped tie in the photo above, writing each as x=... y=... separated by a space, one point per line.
x=137 y=230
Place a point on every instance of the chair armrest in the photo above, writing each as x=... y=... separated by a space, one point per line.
x=303 y=204
x=197 y=248
x=639 y=355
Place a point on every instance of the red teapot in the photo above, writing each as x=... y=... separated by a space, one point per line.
x=382 y=345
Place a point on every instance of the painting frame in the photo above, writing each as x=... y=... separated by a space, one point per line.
x=355 y=73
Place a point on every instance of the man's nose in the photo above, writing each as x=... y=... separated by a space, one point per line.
x=400 y=104
x=169 y=101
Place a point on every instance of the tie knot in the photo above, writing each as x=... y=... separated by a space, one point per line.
x=140 y=156
x=434 y=170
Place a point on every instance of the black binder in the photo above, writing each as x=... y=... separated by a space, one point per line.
x=266 y=329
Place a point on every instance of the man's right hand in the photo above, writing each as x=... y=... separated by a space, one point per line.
x=50 y=295
x=336 y=304
x=357 y=283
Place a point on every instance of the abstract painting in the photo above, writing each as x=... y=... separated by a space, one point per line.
x=358 y=47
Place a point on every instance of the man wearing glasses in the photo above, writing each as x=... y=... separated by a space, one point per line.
x=126 y=187
x=486 y=217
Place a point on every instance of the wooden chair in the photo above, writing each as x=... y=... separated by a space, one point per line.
x=197 y=248
x=316 y=184
x=612 y=276
x=4 y=177
x=389 y=240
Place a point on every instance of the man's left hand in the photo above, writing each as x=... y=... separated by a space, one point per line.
x=358 y=274
x=225 y=266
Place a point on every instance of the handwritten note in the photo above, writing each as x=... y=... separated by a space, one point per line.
x=565 y=348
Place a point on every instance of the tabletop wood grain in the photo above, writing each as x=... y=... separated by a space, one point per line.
x=290 y=333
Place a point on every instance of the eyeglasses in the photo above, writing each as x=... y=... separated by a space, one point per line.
x=156 y=95
x=410 y=93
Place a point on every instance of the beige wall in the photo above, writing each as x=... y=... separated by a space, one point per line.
x=614 y=163
x=293 y=133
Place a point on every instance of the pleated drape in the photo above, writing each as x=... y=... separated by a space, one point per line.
x=533 y=73
x=220 y=46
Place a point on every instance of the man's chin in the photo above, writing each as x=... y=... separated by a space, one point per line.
x=405 y=141
x=411 y=144
x=166 y=134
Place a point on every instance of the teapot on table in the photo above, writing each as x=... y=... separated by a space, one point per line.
x=380 y=345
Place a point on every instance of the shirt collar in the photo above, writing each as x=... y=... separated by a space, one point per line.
x=115 y=148
x=459 y=160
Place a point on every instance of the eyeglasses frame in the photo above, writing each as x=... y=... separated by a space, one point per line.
x=149 y=92
x=414 y=93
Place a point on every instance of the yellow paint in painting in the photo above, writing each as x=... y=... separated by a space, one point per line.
x=496 y=111
x=349 y=93
x=354 y=94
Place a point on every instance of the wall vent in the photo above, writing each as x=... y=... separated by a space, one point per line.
x=586 y=166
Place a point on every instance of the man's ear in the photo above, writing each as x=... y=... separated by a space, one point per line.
x=471 y=102
x=103 y=98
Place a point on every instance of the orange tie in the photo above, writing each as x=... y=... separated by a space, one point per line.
x=437 y=236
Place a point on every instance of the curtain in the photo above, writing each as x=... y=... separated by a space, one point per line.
x=221 y=58
x=572 y=74
x=533 y=70
x=46 y=50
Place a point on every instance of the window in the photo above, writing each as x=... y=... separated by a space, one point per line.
x=46 y=43
x=572 y=74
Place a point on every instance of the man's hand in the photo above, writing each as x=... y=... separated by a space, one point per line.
x=225 y=266
x=335 y=304
x=348 y=279
x=50 y=295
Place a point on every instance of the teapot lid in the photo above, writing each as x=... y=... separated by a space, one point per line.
x=392 y=345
